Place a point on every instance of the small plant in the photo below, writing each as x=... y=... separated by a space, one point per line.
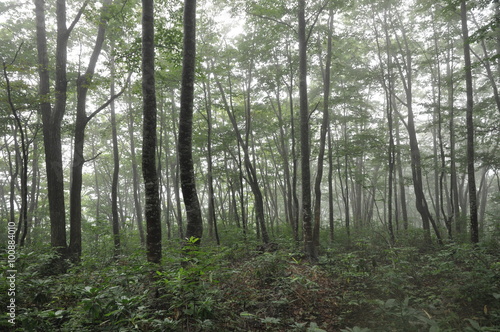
x=188 y=288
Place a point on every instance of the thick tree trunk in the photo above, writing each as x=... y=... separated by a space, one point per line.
x=51 y=119
x=152 y=205
x=188 y=180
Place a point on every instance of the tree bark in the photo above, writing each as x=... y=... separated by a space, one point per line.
x=416 y=165
x=135 y=176
x=324 y=128
x=474 y=227
x=116 y=167
x=212 y=220
x=194 y=226
x=305 y=149
x=52 y=118
x=150 y=176
x=249 y=167
x=82 y=87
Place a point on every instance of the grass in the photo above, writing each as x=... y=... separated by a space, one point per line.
x=241 y=287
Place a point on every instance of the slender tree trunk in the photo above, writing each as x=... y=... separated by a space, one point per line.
x=212 y=220
x=294 y=156
x=34 y=191
x=305 y=149
x=249 y=167
x=454 y=199
x=442 y=175
x=324 y=126
x=474 y=229
x=416 y=165
x=135 y=175
x=22 y=229
x=14 y=173
x=116 y=166
x=152 y=193
x=185 y=145
x=331 y=220
x=401 y=180
x=176 y=174
x=391 y=146
x=82 y=86
x=244 y=210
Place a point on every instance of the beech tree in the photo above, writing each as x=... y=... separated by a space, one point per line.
x=194 y=226
x=149 y=170
x=310 y=248
x=471 y=176
x=377 y=97
x=52 y=114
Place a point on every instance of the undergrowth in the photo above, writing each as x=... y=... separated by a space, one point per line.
x=248 y=287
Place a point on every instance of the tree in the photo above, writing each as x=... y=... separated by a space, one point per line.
x=324 y=127
x=116 y=166
x=474 y=227
x=22 y=127
x=52 y=115
x=149 y=171
x=83 y=85
x=405 y=65
x=194 y=226
x=310 y=248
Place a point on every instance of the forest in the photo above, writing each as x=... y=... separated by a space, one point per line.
x=250 y=165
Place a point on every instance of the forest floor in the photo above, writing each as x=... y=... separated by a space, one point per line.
x=250 y=287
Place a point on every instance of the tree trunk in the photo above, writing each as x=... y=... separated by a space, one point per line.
x=305 y=149
x=454 y=199
x=324 y=127
x=152 y=205
x=82 y=86
x=416 y=165
x=331 y=220
x=116 y=167
x=188 y=180
x=294 y=157
x=401 y=180
x=212 y=220
x=390 y=122
x=51 y=119
x=22 y=229
x=474 y=227
x=249 y=167
x=135 y=175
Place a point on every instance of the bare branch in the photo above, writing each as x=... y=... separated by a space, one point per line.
x=110 y=100
x=77 y=17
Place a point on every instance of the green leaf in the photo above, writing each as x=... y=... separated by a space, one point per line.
x=475 y=325
x=245 y=314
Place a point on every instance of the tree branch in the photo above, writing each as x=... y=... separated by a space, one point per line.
x=110 y=100
x=77 y=17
